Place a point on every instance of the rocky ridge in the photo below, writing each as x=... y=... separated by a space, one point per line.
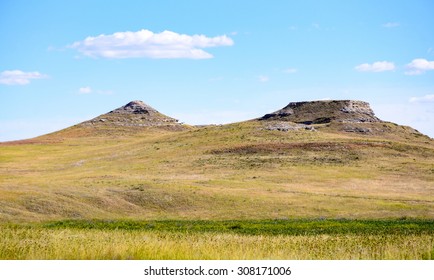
x=348 y=116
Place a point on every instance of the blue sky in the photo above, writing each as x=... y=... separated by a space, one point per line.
x=62 y=62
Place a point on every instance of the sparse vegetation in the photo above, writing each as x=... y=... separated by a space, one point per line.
x=269 y=239
x=370 y=187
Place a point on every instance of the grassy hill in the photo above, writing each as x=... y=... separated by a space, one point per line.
x=263 y=169
x=248 y=170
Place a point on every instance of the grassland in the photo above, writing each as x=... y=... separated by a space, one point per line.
x=241 y=172
x=262 y=239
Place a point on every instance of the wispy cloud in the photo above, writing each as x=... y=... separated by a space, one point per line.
x=290 y=70
x=415 y=114
x=429 y=98
x=145 y=43
x=216 y=79
x=316 y=25
x=18 y=77
x=379 y=66
x=89 y=90
x=391 y=24
x=419 y=66
x=85 y=90
x=263 y=78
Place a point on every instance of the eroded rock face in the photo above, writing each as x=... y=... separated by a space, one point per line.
x=135 y=107
x=318 y=112
x=134 y=114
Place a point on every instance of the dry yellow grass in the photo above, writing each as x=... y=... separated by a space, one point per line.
x=31 y=243
x=238 y=171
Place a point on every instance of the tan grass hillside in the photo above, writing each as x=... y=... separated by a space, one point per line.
x=145 y=165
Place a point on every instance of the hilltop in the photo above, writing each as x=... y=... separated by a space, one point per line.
x=332 y=159
x=133 y=118
x=320 y=112
x=336 y=116
x=134 y=114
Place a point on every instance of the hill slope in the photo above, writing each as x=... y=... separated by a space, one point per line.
x=133 y=118
x=133 y=162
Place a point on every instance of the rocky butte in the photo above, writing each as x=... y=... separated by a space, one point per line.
x=320 y=112
x=347 y=116
x=134 y=114
x=341 y=116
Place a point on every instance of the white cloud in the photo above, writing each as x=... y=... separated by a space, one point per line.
x=85 y=90
x=263 y=79
x=89 y=90
x=145 y=43
x=18 y=77
x=429 y=98
x=391 y=24
x=290 y=70
x=419 y=66
x=379 y=66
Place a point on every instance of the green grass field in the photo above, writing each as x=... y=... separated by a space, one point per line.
x=261 y=239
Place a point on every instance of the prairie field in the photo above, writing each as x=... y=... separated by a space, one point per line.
x=51 y=186
x=275 y=140
x=159 y=240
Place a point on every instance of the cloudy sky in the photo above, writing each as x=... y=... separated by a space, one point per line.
x=62 y=62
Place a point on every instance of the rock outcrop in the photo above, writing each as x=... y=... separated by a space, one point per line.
x=134 y=114
x=320 y=112
x=135 y=107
